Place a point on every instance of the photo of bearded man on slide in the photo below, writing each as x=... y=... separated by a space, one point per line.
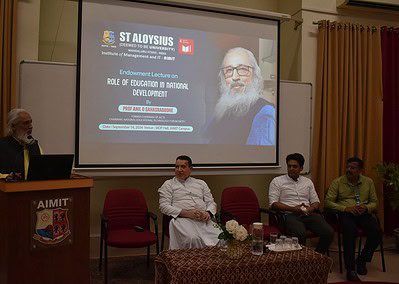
x=241 y=115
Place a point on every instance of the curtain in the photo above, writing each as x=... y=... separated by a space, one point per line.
x=8 y=20
x=390 y=75
x=348 y=102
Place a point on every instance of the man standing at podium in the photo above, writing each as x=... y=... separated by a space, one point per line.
x=17 y=146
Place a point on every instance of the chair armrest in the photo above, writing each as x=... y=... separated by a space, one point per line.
x=155 y=219
x=104 y=220
x=375 y=215
x=104 y=225
x=332 y=216
x=277 y=216
x=331 y=210
x=217 y=218
x=226 y=215
x=103 y=217
x=152 y=216
x=271 y=213
x=319 y=211
x=276 y=213
x=265 y=210
x=331 y=213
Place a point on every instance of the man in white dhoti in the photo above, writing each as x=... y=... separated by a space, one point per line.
x=189 y=201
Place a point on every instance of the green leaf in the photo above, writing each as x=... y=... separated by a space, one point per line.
x=389 y=173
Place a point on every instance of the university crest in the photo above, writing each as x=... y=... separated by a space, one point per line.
x=108 y=37
x=52 y=226
x=51 y=222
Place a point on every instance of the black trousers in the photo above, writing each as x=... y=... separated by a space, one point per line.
x=296 y=226
x=349 y=225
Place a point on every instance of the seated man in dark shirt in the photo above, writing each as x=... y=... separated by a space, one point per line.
x=17 y=146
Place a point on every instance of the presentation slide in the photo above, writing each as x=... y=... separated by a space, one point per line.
x=156 y=82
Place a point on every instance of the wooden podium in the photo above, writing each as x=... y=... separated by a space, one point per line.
x=44 y=231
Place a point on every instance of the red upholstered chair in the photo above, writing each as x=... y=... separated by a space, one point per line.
x=241 y=204
x=125 y=224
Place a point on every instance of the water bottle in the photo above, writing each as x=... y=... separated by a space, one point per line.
x=257 y=238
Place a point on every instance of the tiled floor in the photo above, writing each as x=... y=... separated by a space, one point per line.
x=374 y=268
x=375 y=272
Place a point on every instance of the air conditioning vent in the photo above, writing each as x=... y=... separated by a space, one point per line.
x=389 y=6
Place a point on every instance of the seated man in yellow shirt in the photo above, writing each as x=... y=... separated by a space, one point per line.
x=354 y=196
x=17 y=146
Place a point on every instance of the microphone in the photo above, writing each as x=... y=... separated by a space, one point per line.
x=31 y=140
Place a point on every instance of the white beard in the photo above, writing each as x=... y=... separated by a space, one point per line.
x=24 y=138
x=237 y=104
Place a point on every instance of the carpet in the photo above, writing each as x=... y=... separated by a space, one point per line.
x=123 y=270
x=369 y=282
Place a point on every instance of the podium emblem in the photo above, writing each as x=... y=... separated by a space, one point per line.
x=51 y=223
x=52 y=226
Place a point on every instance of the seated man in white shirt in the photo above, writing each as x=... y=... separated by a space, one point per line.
x=189 y=201
x=296 y=196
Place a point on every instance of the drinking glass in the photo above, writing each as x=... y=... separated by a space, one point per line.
x=257 y=238
x=279 y=244
x=288 y=244
x=222 y=244
x=273 y=238
x=295 y=243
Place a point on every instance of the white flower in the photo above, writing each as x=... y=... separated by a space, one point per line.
x=240 y=234
x=231 y=226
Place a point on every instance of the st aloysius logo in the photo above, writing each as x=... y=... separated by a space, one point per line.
x=51 y=221
x=109 y=37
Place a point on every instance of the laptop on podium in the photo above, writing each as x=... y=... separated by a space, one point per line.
x=45 y=167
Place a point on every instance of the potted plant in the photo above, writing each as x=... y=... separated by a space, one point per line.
x=389 y=173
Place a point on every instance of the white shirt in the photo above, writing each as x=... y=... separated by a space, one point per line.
x=175 y=195
x=292 y=193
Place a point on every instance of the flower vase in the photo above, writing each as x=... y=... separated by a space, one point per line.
x=235 y=249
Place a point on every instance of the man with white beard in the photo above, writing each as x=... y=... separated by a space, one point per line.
x=17 y=146
x=241 y=115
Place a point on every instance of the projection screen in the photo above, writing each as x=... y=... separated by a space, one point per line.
x=157 y=81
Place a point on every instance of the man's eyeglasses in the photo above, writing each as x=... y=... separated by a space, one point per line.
x=242 y=70
x=352 y=168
